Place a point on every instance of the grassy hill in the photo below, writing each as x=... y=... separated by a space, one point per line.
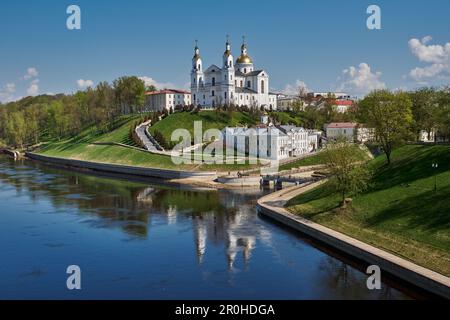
x=320 y=158
x=83 y=146
x=400 y=212
x=209 y=119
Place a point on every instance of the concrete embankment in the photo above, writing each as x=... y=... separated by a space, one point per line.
x=12 y=153
x=123 y=169
x=273 y=206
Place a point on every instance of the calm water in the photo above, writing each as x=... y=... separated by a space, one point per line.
x=141 y=241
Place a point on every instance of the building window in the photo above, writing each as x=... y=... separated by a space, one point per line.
x=212 y=93
x=245 y=70
x=235 y=83
x=248 y=84
x=213 y=81
x=231 y=77
x=194 y=96
x=242 y=83
x=225 y=95
x=262 y=86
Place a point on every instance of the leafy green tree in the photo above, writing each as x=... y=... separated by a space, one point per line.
x=16 y=128
x=129 y=94
x=390 y=115
x=348 y=175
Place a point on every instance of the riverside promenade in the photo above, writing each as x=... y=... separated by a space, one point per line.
x=273 y=206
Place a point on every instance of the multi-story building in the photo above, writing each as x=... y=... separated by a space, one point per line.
x=350 y=131
x=270 y=142
x=166 y=99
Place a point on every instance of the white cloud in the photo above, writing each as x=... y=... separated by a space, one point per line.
x=33 y=89
x=7 y=92
x=31 y=73
x=438 y=57
x=83 y=84
x=293 y=89
x=159 y=85
x=360 y=80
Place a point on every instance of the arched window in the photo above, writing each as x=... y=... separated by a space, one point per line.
x=245 y=70
x=262 y=86
x=213 y=81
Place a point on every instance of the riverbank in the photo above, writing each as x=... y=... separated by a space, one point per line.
x=404 y=211
x=273 y=206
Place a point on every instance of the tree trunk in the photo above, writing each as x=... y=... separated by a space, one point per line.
x=388 y=157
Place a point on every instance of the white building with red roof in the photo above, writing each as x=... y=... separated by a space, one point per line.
x=342 y=106
x=167 y=99
x=350 y=131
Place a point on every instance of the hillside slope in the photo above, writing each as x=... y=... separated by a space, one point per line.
x=401 y=212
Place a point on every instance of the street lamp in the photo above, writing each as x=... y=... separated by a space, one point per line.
x=435 y=166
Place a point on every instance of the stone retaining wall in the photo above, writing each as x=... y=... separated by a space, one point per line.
x=421 y=277
x=123 y=169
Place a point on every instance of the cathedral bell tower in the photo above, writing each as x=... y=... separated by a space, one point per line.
x=197 y=76
x=228 y=75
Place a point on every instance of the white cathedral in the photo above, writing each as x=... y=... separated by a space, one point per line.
x=235 y=83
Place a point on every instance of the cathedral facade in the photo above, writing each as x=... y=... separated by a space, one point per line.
x=235 y=83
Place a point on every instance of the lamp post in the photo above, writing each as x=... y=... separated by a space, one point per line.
x=435 y=166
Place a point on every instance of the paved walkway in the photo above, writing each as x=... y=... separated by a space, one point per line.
x=273 y=204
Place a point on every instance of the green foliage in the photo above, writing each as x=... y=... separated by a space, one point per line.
x=390 y=114
x=348 y=176
x=35 y=119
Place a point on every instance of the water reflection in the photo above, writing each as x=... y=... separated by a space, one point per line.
x=169 y=243
x=216 y=217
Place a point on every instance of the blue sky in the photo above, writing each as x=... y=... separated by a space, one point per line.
x=309 y=41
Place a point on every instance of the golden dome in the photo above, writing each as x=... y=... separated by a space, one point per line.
x=245 y=59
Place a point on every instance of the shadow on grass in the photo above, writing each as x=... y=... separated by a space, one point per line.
x=429 y=211
x=413 y=163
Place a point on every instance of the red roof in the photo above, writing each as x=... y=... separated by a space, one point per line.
x=343 y=102
x=342 y=125
x=167 y=91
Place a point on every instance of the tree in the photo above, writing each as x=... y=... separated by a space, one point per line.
x=348 y=176
x=16 y=128
x=390 y=115
x=425 y=108
x=129 y=94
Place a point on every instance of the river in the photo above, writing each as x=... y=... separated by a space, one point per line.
x=143 y=240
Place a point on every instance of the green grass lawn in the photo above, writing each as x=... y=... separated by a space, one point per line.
x=320 y=158
x=287 y=118
x=82 y=147
x=209 y=119
x=400 y=212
